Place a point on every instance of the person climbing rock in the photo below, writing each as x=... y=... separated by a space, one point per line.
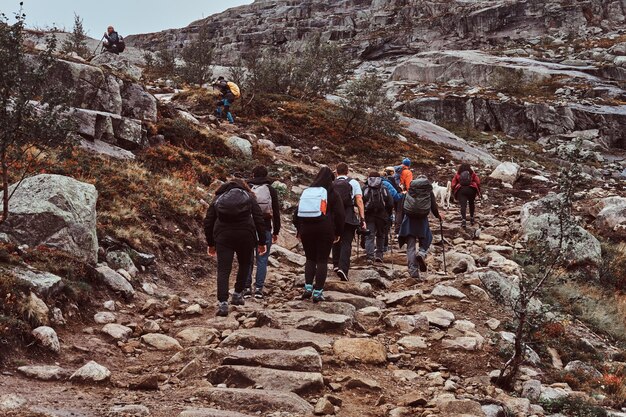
x=466 y=187
x=319 y=221
x=416 y=205
x=267 y=198
x=113 y=42
x=229 y=92
x=234 y=224
x=378 y=204
x=351 y=195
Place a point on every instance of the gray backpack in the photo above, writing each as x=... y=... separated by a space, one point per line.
x=264 y=198
x=417 y=202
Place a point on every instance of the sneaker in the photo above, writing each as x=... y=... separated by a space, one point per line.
x=421 y=261
x=463 y=224
x=258 y=293
x=308 y=291
x=342 y=275
x=222 y=309
x=318 y=295
x=335 y=269
x=237 y=299
x=247 y=293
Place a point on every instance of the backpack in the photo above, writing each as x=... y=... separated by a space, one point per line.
x=465 y=179
x=344 y=189
x=398 y=173
x=313 y=202
x=417 y=201
x=375 y=195
x=233 y=205
x=394 y=183
x=121 y=45
x=264 y=198
x=234 y=88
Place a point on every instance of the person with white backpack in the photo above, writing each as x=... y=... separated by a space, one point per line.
x=319 y=221
x=267 y=198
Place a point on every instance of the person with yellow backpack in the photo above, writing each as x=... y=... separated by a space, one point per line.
x=229 y=92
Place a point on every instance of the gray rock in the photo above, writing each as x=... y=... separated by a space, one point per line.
x=413 y=342
x=266 y=338
x=531 y=389
x=468 y=343
x=324 y=407
x=272 y=379
x=254 y=400
x=611 y=220
x=403 y=297
x=240 y=146
x=161 y=341
x=363 y=289
x=209 y=412
x=460 y=262
x=121 y=260
x=507 y=172
x=117 y=331
x=92 y=372
x=311 y=320
x=343 y=309
x=115 y=281
x=37 y=309
x=407 y=323
x=137 y=103
x=44 y=372
x=446 y=291
x=369 y=276
x=356 y=300
x=439 y=317
x=581 y=369
x=104 y=317
x=43 y=283
x=130 y=410
x=304 y=360
x=119 y=64
x=360 y=350
x=10 y=402
x=55 y=211
x=290 y=256
x=197 y=335
x=47 y=337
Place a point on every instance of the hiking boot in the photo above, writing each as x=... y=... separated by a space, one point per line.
x=318 y=295
x=421 y=260
x=308 y=291
x=335 y=269
x=237 y=299
x=342 y=275
x=258 y=293
x=378 y=260
x=472 y=221
x=369 y=261
x=247 y=293
x=222 y=309
x=463 y=223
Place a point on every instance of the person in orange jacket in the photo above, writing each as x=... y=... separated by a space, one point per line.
x=465 y=188
x=406 y=176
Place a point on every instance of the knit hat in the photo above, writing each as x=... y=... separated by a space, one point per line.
x=406 y=161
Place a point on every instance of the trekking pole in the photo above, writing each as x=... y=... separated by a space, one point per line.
x=391 y=249
x=95 y=50
x=443 y=247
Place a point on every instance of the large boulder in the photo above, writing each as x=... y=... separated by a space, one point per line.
x=611 y=219
x=507 y=172
x=119 y=64
x=54 y=211
x=240 y=145
x=540 y=221
x=137 y=103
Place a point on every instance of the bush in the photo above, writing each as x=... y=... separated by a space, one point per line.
x=160 y=65
x=574 y=407
x=197 y=55
x=613 y=266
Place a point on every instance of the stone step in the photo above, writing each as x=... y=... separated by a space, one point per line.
x=306 y=359
x=310 y=320
x=283 y=339
x=267 y=378
x=363 y=289
x=327 y=307
x=255 y=400
x=401 y=297
x=357 y=301
x=210 y=412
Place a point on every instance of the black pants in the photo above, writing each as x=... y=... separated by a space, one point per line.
x=317 y=241
x=242 y=244
x=342 y=250
x=465 y=195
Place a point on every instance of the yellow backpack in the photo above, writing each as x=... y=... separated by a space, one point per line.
x=234 y=88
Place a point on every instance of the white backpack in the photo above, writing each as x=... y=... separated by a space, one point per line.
x=264 y=198
x=313 y=202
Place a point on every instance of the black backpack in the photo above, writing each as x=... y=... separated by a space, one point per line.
x=394 y=183
x=344 y=189
x=375 y=195
x=233 y=206
x=465 y=178
x=417 y=201
x=121 y=45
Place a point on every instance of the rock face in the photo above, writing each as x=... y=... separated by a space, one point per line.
x=117 y=63
x=55 y=211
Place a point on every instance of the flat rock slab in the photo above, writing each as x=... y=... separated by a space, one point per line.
x=223 y=323
x=360 y=350
x=447 y=291
x=371 y=277
x=115 y=281
x=210 y=412
x=161 y=341
x=255 y=400
x=439 y=317
x=363 y=289
x=284 y=339
x=402 y=297
x=327 y=307
x=44 y=372
x=43 y=283
x=273 y=379
x=310 y=320
x=117 y=331
x=357 y=301
x=305 y=360
x=197 y=335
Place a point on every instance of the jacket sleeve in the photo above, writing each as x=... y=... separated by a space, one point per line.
x=259 y=222
x=406 y=178
x=338 y=213
x=389 y=203
x=275 y=211
x=455 y=181
x=433 y=205
x=209 y=224
x=395 y=195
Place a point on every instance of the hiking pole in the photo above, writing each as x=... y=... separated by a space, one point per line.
x=95 y=50
x=390 y=245
x=443 y=247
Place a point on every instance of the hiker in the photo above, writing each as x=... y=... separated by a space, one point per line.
x=378 y=204
x=267 y=198
x=417 y=204
x=351 y=195
x=229 y=93
x=394 y=189
x=319 y=221
x=234 y=224
x=465 y=188
x=113 y=42
x=389 y=177
x=403 y=176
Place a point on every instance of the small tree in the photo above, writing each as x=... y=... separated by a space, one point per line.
x=198 y=57
x=160 y=65
x=77 y=40
x=33 y=115
x=366 y=108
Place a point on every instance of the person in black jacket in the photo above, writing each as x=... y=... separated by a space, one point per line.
x=378 y=210
x=318 y=235
x=111 y=40
x=267 y=197
x=234 y=224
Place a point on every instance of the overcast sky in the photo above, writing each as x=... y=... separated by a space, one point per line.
x=128 y=16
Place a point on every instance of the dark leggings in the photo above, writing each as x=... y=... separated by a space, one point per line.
x=465 y=195
x=317 y=241
x=241 y=244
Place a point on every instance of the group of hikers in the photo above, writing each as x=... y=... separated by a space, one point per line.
x=244 y=220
